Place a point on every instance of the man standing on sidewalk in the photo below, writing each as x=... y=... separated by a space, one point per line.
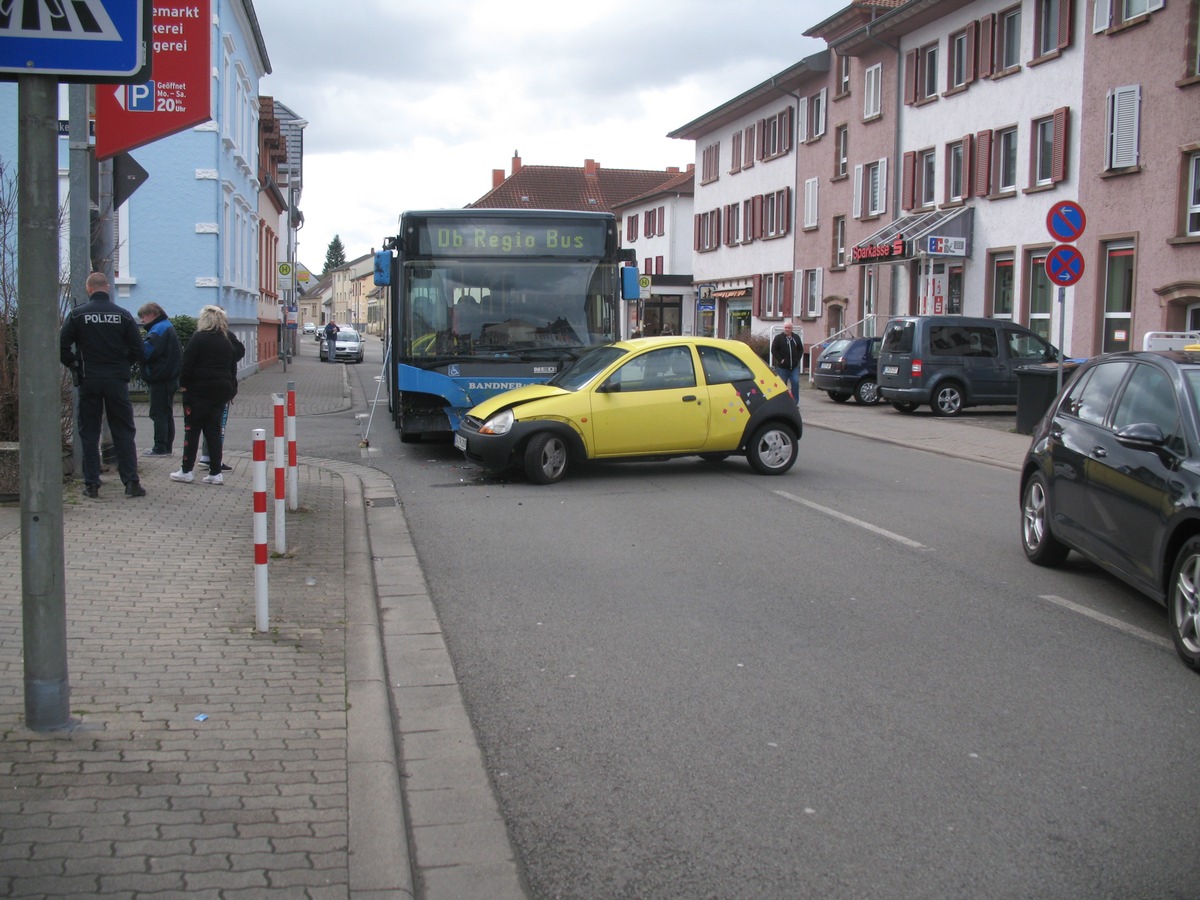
x=787 y=352
x=106 y=343
x=160 y=371
x=331 y=331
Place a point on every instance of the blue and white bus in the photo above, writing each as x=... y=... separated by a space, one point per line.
x=484 y=300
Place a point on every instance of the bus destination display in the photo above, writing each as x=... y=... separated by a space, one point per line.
x=484 y=237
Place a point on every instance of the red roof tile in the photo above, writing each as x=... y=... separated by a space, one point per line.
x=590 y=187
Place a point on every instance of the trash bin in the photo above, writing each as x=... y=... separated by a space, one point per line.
x=1037 y=387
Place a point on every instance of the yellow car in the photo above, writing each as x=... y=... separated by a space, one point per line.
x=646 y=397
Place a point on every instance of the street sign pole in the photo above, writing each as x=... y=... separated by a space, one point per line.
x=1062 y=329
x=43 y=578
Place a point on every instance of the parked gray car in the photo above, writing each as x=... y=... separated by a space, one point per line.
x=348 y=345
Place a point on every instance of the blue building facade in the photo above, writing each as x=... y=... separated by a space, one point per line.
x=189 y=236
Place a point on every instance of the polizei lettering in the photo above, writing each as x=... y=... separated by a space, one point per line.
x=102 y=318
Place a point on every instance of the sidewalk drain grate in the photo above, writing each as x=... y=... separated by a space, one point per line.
x=382 y=501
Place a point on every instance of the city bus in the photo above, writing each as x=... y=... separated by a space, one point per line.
x=484 y=300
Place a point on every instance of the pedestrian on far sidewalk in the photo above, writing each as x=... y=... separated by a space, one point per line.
x=207 y=381
x=787 y=352
x=106 y=344
x=331 y=332
x=160 y=371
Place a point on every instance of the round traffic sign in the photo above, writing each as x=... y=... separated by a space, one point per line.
x=1064 y=265
x=1066 y=221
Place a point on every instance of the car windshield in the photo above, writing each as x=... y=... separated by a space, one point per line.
x=347 y=334
x=587 y=367
x=838 y=346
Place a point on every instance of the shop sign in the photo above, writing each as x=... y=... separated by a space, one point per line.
x=946 y=246
x=894 y=249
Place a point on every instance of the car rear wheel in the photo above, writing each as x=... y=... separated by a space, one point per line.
x=838 y=396
x=904 y=406
x=773 y=449
x=1042 y=548
x=867 y=392
x=546 y=458
x=1183 y=603
x=948 y=399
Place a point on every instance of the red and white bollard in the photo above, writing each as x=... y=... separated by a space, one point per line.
x=293 y=474
x=261 y=605
x=280 y=498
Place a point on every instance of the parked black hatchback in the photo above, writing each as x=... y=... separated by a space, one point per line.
x=847 y=368
x=1113 y=473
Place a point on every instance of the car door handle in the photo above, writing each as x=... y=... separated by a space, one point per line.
x=1099 y=452
x=689 y=398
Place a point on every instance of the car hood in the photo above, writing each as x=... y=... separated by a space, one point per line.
x=515 y=397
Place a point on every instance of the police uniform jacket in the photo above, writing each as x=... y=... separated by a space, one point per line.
x=164 y=355
x=100 y=338
x=210 y=365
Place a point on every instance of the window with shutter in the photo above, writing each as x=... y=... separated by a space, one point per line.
x=810 y=203
x=908 y=171
x=873 y=91
x=1122 y=122
x=983 y=164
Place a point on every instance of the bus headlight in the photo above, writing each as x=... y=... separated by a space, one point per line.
x=500 y=423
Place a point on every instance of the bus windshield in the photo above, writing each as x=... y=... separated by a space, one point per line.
x=484 y=308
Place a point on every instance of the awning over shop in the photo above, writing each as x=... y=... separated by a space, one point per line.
x=941 y=232
x=731 y=293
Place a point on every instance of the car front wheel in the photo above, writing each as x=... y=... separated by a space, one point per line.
x=773 y=449
x=1042 y=548
x=838 y=396
x=546 y=458
x=904 y=406
x=867 y=392
x=1183 y=603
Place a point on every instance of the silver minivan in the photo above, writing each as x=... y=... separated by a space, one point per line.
x=952 y=362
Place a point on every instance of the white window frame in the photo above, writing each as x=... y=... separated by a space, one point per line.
x=843 y=75
x=1115 y=315
x=810 y=203
x=1192 y=219
x=927 y=168
x=1122 y=125
x=747 y=220
x=873 y=91
x=842 y=139
x=839 y=241
x=870 y=189
x=928 y=72
x=1105 y=12
x=1009 y=40
x=735 y=224
x=956 y=181
x=770 y=309
x=1043 y=151
x=1006 y=160
x=817 y=107
x=812 y=281
x=957 y=64
x=1047 y=30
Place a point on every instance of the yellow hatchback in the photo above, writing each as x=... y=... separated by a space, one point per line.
x=646 y=397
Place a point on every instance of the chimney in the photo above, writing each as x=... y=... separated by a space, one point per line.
x=691 y=167
x=672 y=170
x=516 y=165
x=590 y=167
x=497 y=178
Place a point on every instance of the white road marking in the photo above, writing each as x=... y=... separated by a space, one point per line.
x=1146 y=636
x=882 y=532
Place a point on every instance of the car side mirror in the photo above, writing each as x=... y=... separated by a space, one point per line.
x=1141 y=436
x=609 y=387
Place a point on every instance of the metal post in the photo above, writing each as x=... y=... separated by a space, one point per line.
x=279 y=455
x=80 y=176
x=1062 y=319
x=43 y=590
x=262 y=604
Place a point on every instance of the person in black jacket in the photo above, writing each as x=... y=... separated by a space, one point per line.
x=160 y=371
x=787 y=352
x=106 y=343
x=207 y=382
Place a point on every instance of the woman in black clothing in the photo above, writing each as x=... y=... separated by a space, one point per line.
x=207 y=382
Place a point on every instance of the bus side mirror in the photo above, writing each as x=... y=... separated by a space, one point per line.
x=629 y=283
x=383 y=267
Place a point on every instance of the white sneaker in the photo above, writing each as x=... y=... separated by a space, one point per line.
x=214 y=479
x=183 y=476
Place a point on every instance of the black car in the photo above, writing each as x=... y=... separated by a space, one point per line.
x=1113 y=473
x=846 y=368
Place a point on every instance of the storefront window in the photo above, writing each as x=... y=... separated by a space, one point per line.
x=1002 y=286
x=739 y=320
x=1041 y=296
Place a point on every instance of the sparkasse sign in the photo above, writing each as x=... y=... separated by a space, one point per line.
x=179 y=94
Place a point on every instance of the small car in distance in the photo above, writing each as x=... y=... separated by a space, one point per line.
x=847 y=368
x=655 y=397
x=1113 y=473
x=310 y=327
x=348 y=344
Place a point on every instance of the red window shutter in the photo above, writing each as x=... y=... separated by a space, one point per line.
x=662 y=220
x=647 y=266
x=910 y=77
x=972 y=50
x=983 y=163
x=1064 y=24
x=987 y=49
x=786 y=212
x=908 y=178
x=786 y=126
x=696 y=228
x=716 y=220
x=658 y=265
x=786 y=296
x=1062 y=124
x=756 y=215
x=968 y=181
x=762 y=129
x=748 y=158
x=756 y=295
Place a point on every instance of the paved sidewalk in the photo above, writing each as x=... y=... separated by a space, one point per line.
x=328 y=757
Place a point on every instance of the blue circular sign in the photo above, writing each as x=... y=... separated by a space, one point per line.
x=1066 y=221
x=1064 y=265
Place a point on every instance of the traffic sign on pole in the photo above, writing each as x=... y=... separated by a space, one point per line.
x=81 y=41
x=1066 y=221
x=1064 y=265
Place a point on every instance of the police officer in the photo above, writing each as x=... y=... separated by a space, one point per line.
x=106 y=343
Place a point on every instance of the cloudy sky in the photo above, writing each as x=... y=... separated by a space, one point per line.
x=411 y=104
